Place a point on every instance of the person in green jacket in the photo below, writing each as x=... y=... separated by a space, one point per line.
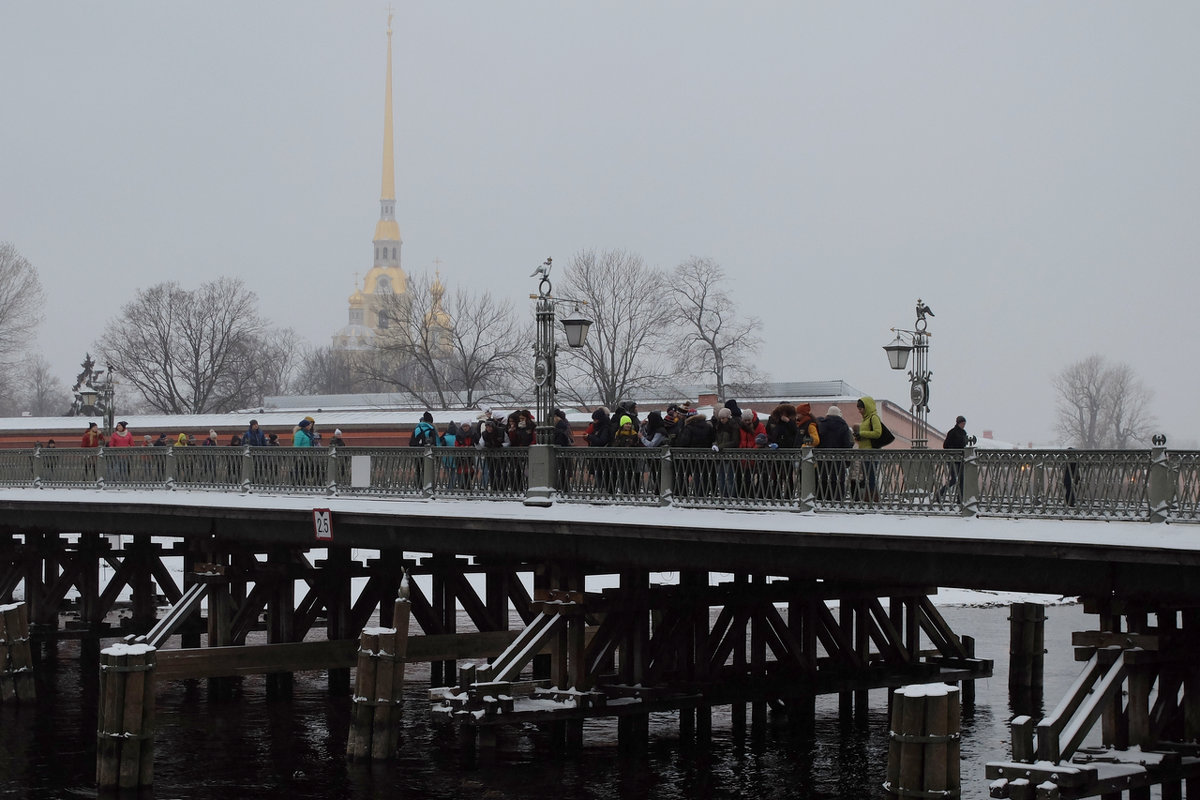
x=866 y=433
x=871 y=428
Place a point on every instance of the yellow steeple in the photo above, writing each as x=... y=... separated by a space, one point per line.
x=388 y=192
x=387 y=232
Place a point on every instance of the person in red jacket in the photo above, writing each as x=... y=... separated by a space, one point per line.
x=92 y=437
x=748 y=471
x=121 y=437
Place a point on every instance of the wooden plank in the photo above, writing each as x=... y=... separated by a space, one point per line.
x=219 y=662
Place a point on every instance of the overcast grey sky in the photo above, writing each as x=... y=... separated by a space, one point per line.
x=1029 y=169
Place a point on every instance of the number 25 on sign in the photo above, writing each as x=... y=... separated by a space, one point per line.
x=323 y=524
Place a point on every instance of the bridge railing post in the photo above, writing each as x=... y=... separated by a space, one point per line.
x=808 y=480
x=37 y=466
x=539 y=475
x=666 y=478
x=247 y=471
x=331 y=472
x=970 y=482
x=169 y=468
x=1162 y=484
x=100 y=467
x=428 y=472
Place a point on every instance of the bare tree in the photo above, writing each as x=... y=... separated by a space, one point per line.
x=195 y=352
x=1102 y=405
x=446 y=351
x=21 y=302
x=716 y=342
x=629 y=347
x=45 y=395
x=325 y=370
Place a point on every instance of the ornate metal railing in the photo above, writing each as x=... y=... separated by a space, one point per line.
x=1154 y=485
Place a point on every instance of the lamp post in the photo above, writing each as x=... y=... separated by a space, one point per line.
x=916 y=342
x=545 y=375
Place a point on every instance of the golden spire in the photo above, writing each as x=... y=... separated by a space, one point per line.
x=386 y=230
x=389 y=167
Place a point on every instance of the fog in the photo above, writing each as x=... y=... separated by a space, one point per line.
x=1028 y=169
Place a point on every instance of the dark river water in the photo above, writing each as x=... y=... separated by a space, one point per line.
x=252 y=747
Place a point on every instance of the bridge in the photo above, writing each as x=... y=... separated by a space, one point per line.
x=867 y=533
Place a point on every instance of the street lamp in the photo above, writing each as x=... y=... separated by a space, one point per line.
x=546 y=350
x=545 y=373
x=915 y=341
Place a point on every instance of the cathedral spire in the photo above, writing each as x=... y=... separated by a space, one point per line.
x=388 y=191
x=387 y=232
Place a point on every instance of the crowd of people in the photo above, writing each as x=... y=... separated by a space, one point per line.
x=483 y=462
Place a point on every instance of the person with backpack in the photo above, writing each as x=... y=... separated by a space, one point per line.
x=867 y=433
x=424 y=435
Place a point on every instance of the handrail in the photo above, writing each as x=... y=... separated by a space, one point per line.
x=1133 y=485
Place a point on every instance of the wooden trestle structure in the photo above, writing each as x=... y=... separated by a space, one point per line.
x=1141 y=682
x=624 y=652
x=805 y=605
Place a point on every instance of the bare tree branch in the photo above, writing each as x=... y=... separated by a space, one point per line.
x=628 y=350
x=197 y=352
x=451 y=351
x=715 y=341
x=1102 y=405
x=21 y=303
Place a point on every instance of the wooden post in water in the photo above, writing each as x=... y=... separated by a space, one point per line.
x=379 y=686
x=923 y=756
x=1027 y=645
x=16 y=659
x=125 y=729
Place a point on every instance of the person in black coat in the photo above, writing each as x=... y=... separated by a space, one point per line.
x=956 y=439
x=690 y=475
x=833 y=432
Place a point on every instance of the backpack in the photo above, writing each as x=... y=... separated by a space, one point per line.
x=886 y=437
x=420 y=436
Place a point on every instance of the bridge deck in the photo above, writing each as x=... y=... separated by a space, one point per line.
x=1124 y=559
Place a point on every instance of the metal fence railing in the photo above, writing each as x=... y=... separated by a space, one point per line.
x=1154 y=485
x=1088 y=484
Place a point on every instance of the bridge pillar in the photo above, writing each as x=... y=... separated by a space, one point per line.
x=540 y=474
x=1162 y=484
x=970 y=483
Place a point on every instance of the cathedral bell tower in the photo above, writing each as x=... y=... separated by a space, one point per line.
x=372 y=304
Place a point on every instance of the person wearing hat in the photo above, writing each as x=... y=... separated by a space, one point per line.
x=424 y=435
x=303 y=435
x=254 y=435
x=831 y=475
x=121 y=437
x=92 y=437
x=956 y=439
x=337 y=440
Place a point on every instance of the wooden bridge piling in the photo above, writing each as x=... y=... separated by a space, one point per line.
x=1027 y=645
x=16 y=656
x=923 y=754
x=126 y=724
x=378 y=692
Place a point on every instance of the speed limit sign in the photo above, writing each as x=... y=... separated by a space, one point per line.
x=323 y=524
